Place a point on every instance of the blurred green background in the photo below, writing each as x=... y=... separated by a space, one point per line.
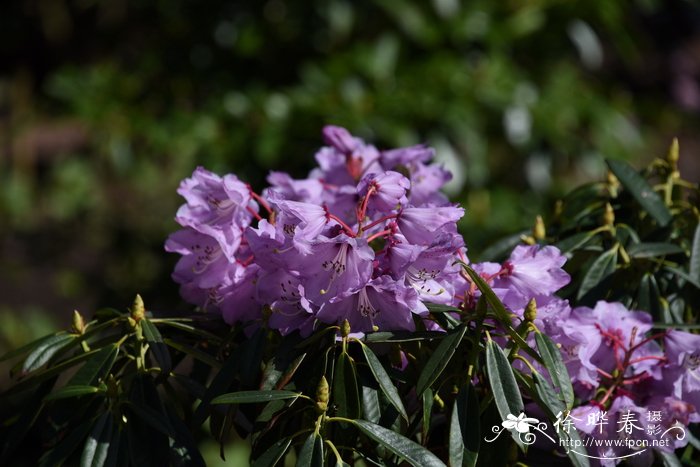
x=105 y=105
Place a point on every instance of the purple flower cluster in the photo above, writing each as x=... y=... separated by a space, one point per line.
x=366 y=237
x=634 y=385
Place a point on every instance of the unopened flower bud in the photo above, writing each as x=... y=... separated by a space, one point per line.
x=613 y=184
x=78 y=322
x=138 y=310
x=345 y=328
x=322 y=394
x=530 y=313
x=673 y=153
x=538 y=230
x=609 y=215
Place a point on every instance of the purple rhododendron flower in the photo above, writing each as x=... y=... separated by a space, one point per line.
x=683 y=370
x=338 y=266
x=307 y=190
x=534 y=270
x=419 y=225
x=385 y=191
x=381 y=304
x=214 y=200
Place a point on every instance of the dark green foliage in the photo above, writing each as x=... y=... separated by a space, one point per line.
x=634 y=239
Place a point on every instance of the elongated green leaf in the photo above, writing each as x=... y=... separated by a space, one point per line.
x=399 y=336
x=464 y=437
x=554 y=363
x=385 y=383
x=345 y=391
x=503 y=385
x=282 y=366
x=97 y=447
x=501 y=312
x=438 y=308
x=428 y=401
x=71 y=391
x=694 y=266
x=96 y=367
x=45 y=350
x=575 y=241
x=30 y=346
x=311 y=453
x=642 y=192
x=684 y=275
x=601 y=268
x=67 y=445
x=411 y=452
x=500 y=250
x=371 y=409
x=668 y=459
x=546 y=394
x=156 y=345
x=194 y=353
x=651 y=250
x=182 y=442
x=221 y=383
x=273 y=454
x=250 y=397
x=676 y=326
x=440 y=358
x=185 y=326
x=47 y=373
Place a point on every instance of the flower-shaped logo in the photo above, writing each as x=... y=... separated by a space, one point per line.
x=521 y=423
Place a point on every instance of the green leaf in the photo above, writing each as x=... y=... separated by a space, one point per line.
x=668 y=459
x=221 y=382
x=45 y=350
x=250 y=397
x=27 y=347
x=273 y=454
x=193 y=352
x=282 y=366
x=67 y=445
x=651 y=250
x=464 y=436
x=502 y=248
x=439 y=359
x=601 y=268
x=71 y=391
x=43 y=375
x=503 y=385
x=640 y=189
x=684 y=275
x=156 y=345
x=575 y=241
x=311 y=453
x=98 y=447
x=182 y=442
x=546 y=394
x=428 y=401
x=694 y=266
x=371 y=409
x=438 y=308
x=406 y=449
x=554 y=363
x=183 y=326
x=95 y=368
x=384 y=336
x=345 y=392
x=385 y=383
